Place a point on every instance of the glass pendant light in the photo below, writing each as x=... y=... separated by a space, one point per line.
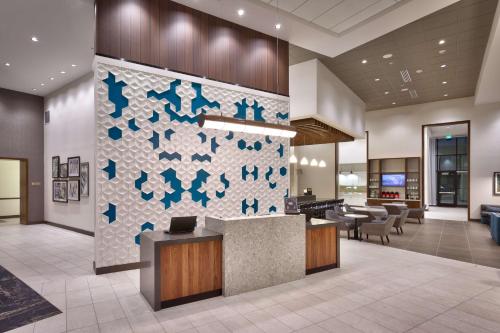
x=304 y=161
x=314 y=162
x=293 y=159
x=322 y=164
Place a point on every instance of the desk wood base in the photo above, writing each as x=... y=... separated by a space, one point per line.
x=322 y=249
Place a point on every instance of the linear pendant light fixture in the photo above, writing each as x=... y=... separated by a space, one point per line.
x=245 y=126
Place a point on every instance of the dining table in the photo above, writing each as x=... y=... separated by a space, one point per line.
x=356 y=217
x=375 y=211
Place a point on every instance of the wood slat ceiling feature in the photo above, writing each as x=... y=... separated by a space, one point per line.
x=465 y=26
x=311 y=131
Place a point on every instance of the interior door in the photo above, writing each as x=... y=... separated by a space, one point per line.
x=447 y=188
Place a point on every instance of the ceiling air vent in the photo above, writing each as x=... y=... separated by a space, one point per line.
x=405 y=75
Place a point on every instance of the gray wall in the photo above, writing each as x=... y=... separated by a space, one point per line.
x=21 y=136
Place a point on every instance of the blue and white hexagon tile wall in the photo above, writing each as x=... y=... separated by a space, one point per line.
x=153 y=161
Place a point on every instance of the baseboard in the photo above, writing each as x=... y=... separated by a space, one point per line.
x=78 y=230
x=320 y=269
x=9 y=216
x=475 y=220
x=117 y=268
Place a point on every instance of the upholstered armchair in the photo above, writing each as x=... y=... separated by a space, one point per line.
x=346 y=223
x=381 y=229
x=416 y=213
x=401 y=220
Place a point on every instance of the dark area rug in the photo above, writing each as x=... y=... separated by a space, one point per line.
x=19 y=304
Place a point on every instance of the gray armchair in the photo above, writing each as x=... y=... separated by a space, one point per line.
x=392 y=209
x=401 y=220
x=416 y=213
x=381 y=229
x=346 y=223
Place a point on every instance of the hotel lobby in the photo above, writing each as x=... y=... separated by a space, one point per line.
x=249 y=166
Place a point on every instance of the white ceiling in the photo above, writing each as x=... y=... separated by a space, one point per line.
x=299 y=31
x=336 y=16
x=65 y=29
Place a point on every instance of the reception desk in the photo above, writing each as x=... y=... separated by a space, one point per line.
x=234 y=255
x=260 y=251
x=181 y=268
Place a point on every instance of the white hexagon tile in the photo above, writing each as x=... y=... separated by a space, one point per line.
x=153 y=161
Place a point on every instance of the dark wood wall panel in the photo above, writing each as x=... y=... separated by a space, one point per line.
x=165 y=34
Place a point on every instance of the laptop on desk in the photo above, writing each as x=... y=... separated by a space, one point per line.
x=182 y=225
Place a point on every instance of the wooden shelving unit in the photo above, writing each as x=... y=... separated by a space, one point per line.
x=410 y=193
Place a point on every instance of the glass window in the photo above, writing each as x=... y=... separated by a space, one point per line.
x=446 y=146
x=462 y=145
x=447 y=163
x=462 y=163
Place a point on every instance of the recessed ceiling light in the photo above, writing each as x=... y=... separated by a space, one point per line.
x=51 y=79
x=442 y=51
x=390 y=62
x=364 y=61
x=387 y=93
x=278 y=26
x=42 y=84
x=7 y=64
x=387 y=56
x=444 y=82
x=442 y=42
x=241 y=12
x=62 y=72
x=377 y=79
x=446 y=95
x=34 y=39
x=34 y=89
x=444 y=65
x=419 y=71
x=393 y=103
x=404 y=89
x=73 y=65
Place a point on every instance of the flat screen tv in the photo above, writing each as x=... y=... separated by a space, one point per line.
x=393 y=179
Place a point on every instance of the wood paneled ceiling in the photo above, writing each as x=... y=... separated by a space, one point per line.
x=336 y=16
x=311 y=131
x=437 y=71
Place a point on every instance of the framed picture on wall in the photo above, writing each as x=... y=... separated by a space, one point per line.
x=74 y=166
x=55 y=166
x=74 y=190
x=60 y=190
x=63 y=170
x=84 y=179
x=496 y=183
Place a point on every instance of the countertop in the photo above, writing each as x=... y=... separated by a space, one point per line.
x=321 y=223
x=198 y=235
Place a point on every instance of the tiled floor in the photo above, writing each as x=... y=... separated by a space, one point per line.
x=464 y=241
x=377 y=289
x=447 y=213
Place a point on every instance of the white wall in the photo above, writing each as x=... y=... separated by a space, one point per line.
x=352 y=152
x=71 y=132
x=397 y=132
x=317 y=93
x=303 y=89
x=321 y=180
x=339 y=104
x=9 y=187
